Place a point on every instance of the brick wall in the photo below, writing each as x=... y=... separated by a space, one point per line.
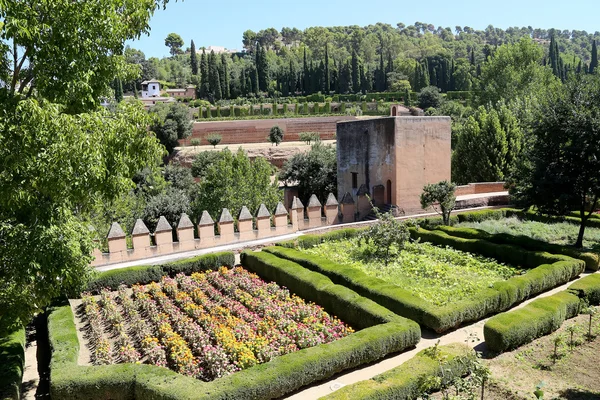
x=257 y=131
x=481 y=187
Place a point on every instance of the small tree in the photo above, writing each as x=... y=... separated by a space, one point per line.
x=276 y=135
x=214 y=139
x=195 y=142
x=430 y=97
x=308 y=137
x=442 y=195
x=387 y=232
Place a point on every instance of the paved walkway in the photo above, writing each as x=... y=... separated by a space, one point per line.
x=471 y=334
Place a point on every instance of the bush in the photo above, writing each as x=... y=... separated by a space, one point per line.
x=515 y=328
x=312 y=240
x=276 y=135
x=481 y=215
x=308 y=137
x=274 y=379
x=430 y=97
x=145 y=274
x=588 y=288
x=214 y=139
x=12 y=359
x=195 y=142
x=406 y=380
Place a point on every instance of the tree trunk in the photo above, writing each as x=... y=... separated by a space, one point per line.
x=579 y=242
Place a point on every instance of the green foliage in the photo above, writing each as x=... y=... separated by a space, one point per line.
x=195 y=142
x=308 y=137
x=202 y=161
x=193 y=59
x=172 y=122
x=171 y=204
x=386 y=238
x=12 y=360
x=438 y=275
x=430 y=96
x=214 y=139
x=314 y=172
x=275 y=135
x=145 y=274
x=406 y=381
x=487 y=147
x=174 y=42
x=561 y=175
x=587 y=288
x=235 y=181
x=441 y=194
x=512 y=329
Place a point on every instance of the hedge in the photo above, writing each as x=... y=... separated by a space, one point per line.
x=512 y=329
x=311 y=240
x=547 y=271
x=404 y=381
x=482 y=215
x=388 y=334
x=151 y=273
x=534 y=216
x=592 y=260
x=588 y=288
x=12 y=360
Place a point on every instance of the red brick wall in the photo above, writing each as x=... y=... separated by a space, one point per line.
x=481 y=187
x=257 y=131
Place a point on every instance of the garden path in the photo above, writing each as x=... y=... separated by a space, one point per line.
x=471 y=334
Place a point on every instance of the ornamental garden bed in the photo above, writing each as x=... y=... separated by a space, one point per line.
x=406 y=292
x=218 y=333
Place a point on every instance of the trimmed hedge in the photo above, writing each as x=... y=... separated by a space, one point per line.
x=12 y=360
x=592 y=260
x=547 y=271
x=588 y=288
x=404 y=381
x=482 y=215
x=541 y=317
x=145 y=274
x=312 y=240
x=534 y=216
x=388 y=333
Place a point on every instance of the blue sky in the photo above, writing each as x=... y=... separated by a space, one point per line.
x=221 y=23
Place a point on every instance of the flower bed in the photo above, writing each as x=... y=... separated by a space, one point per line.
x=435 y=274
x=206 y=325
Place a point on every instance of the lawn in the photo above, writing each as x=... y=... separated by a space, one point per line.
x=563 y=233
x=206 y=325
x=435 y=274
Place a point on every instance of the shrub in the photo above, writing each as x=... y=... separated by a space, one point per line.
x=512 y=329
x=308 y=137
x=195 y=142
x=588 y=288
x=481 y=215
x=442 y=195
x=276 y=135
x=405 y=381
x=151 y=273
x=12 y=359
x=430 y=97
x=214 y=139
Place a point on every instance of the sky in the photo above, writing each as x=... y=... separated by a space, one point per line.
x=215 y=23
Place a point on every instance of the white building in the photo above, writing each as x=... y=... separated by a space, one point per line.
x=150 y=88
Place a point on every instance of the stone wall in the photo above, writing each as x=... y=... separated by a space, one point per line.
x=480 y=187
x=257 y=130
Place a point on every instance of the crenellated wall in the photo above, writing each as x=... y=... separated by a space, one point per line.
x=263 y=225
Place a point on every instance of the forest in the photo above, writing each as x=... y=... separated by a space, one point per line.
x=353 y=59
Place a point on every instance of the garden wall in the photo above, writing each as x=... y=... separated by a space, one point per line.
x=480 y=187
x=257 y=131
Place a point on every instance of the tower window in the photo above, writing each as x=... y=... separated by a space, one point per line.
x=354 y=180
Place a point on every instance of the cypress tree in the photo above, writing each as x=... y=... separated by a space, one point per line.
x=594 y=61
x=452 y=83
x=255 y=86
x=406 y=98
x=225 y=72
x=261 y=68
x=417 y=78
x=554 y=56
x=213 y=77
x=472 y=55
x=118 y=90
x=355 y=72
x=381 y=74
x=327 y=83
x=243 y=82
x=204 y=76
x=305 y=76
x=193 y=59
x=335 y=78
x=579 y=67
x=291 y=78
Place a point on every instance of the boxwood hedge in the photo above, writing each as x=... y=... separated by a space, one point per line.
x=592 y=260
x=588 y=288
x=514 y=328
x=404 y=381
x=383 y=333
x=548 y=271
x=151 y=273
x=12 y=359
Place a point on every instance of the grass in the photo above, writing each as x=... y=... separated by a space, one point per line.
x=562 y=233
x=437 y=275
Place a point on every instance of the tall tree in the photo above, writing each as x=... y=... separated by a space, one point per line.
x=327 y=83
x=205 y=85
x=118 y=90
x=355 y=72
x=49 y=99
x=224 y=77
x=193 y=59
x=305 y=75
x=262 y=68
x=594 y=60
x=174 y=42
x=213 y=77
x=560 y=169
